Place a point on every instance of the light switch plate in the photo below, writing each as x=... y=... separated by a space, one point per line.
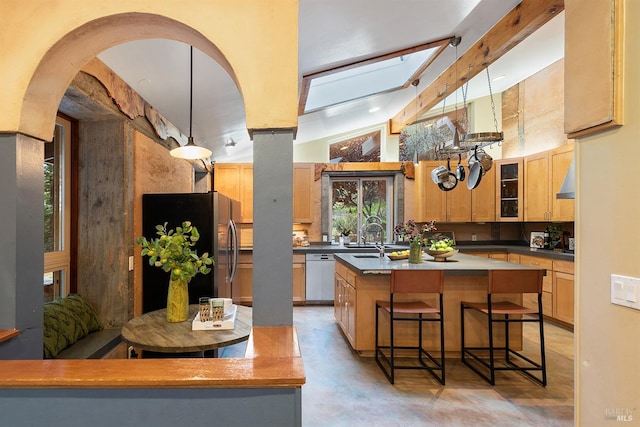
x=130 y=263
x=625 y=291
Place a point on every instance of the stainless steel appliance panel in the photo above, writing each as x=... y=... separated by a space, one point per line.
x=320 y=272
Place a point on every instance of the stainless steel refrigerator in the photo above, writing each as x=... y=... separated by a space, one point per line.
x=215 y=217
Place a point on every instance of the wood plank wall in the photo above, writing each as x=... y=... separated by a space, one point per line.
x=533 y=113
x=155 y=171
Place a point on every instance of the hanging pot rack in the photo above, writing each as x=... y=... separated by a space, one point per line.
x=477 y=140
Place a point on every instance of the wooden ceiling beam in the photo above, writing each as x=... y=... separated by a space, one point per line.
x=522 y=21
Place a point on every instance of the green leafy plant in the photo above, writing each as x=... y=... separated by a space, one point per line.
x=413 y=233
x=172 y=251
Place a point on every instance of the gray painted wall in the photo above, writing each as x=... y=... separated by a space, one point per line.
x=21 y=245
x=151 y=407
x=272 y=225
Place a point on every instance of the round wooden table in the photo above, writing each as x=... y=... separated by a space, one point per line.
x=152 y=332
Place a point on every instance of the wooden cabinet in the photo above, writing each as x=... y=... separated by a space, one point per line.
x=243 y=282
x=338 y=297
x=299 y=278
x=303 y=197
x=544 y=174
x=235 y=180
x=226 y=179
x=558 y=288
x=483 y=198
x=457 y=205
x=509 y=190
x=502 y=256
x=430 y=202
x=345 y=302
x=246 y=193
x=563 y=291
x=536 y=187
x=561 y=158
x=531 y=300
x=593 y=51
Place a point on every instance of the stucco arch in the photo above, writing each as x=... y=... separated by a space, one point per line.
x=261 y=59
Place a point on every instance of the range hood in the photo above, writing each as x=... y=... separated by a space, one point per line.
x=568 y=189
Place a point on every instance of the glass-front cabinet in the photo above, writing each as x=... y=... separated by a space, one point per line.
x=509 y=190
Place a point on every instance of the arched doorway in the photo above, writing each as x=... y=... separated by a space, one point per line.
x=34 y=101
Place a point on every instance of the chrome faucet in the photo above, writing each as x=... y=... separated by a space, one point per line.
x=365 y=229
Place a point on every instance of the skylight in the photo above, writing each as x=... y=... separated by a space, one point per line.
x=365 y=78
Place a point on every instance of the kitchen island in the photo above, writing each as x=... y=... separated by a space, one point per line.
x=363 y=278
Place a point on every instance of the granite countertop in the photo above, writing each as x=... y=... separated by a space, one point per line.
x=459 y=264
x=463 y=247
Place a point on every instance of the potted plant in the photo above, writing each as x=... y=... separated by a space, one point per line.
x=172 y=252
x=415 y=236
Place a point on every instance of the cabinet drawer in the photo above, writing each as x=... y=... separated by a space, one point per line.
x=341 y=269
x=514 y=258
x=539 y=262
x=245 y=259
x=563 y=266
x=348 y=275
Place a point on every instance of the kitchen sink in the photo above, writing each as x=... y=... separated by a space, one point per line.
x=373 y=247
x=366 y=256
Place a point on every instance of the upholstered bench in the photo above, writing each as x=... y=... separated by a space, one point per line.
x=72 y=330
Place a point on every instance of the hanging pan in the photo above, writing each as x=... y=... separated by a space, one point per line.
x=460 y=172
x=475 y=171
x=451 y=181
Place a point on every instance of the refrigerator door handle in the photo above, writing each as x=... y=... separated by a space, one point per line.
x=233 y=238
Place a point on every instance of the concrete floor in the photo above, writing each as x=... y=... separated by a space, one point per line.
x=344 y=389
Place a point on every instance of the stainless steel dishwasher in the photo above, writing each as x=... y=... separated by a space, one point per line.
x=319 y=277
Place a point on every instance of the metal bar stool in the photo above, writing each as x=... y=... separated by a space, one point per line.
x=403 y=282
x=507 y=282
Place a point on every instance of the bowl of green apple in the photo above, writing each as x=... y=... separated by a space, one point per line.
x=441 y=249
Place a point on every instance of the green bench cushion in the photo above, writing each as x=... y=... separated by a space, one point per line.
x=67 y=320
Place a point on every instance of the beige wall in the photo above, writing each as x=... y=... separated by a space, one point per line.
x=318 y=150
x=608 y=242
x=43 y=47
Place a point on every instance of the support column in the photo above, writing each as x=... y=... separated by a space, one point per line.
x=21 y=245
x=272 y=227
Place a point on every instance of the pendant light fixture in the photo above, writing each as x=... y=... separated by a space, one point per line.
x=416 y=162
x=190 y=150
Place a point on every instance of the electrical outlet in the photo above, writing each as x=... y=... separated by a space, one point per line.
x=130 y=263
x=474 y=237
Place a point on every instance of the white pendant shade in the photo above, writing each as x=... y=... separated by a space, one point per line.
x=190 y=151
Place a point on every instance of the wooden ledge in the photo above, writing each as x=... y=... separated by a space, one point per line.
x=272 y=341
x=7 y=334
x=273 y=361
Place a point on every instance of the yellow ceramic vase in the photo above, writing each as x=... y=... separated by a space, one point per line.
x=178 y=301
x=415 y=253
